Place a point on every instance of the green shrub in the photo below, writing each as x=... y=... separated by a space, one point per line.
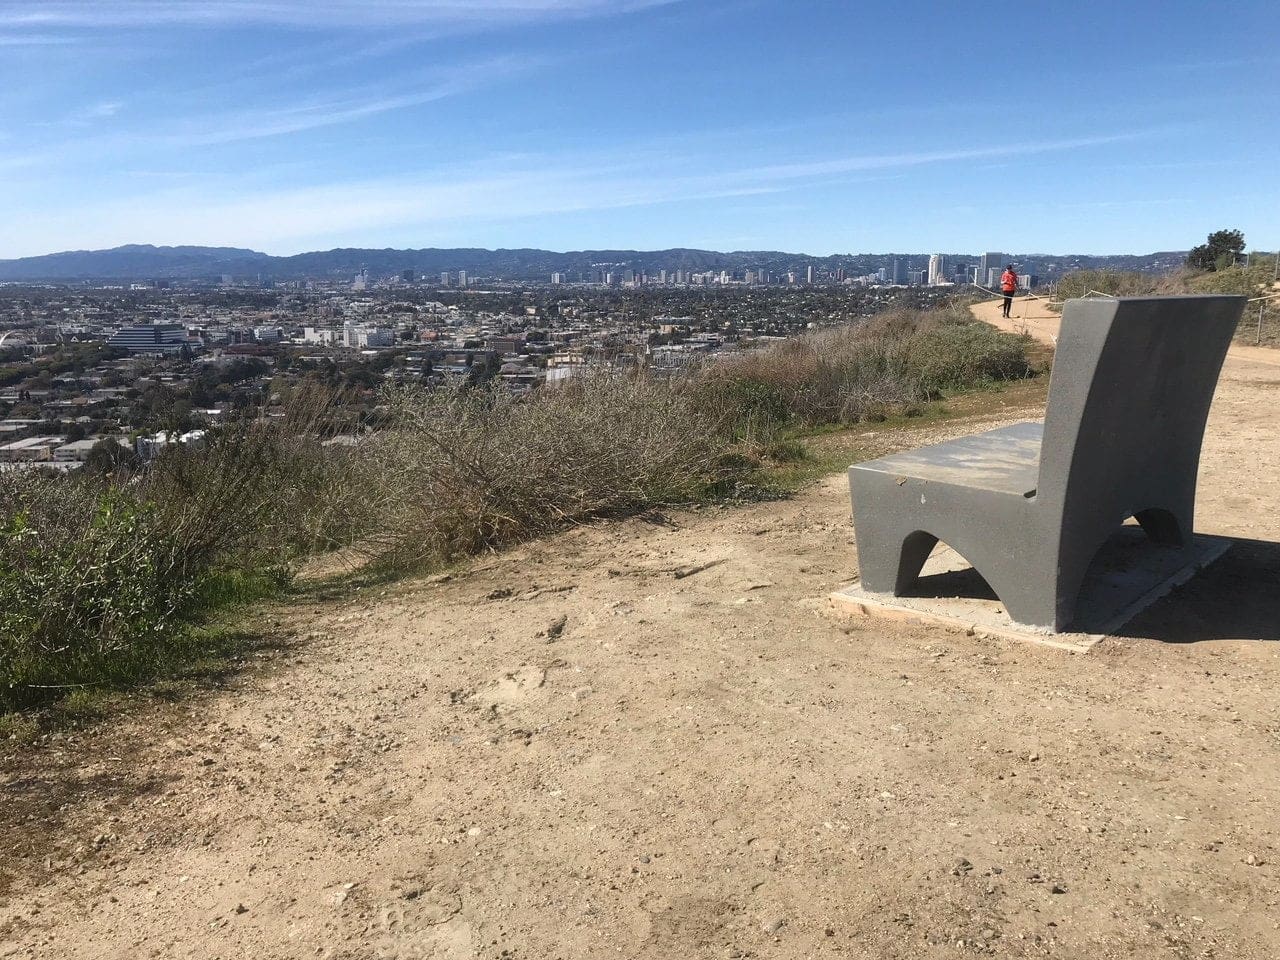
x=1116 y=283
x=100 y=575
x=84 y=590
x=867 y=371
x=958 y=356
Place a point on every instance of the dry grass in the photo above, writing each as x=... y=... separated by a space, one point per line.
x=866 y=371
x=462 y=471
x=1250 y=281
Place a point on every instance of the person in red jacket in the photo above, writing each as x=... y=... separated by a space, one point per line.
x=1008 y=286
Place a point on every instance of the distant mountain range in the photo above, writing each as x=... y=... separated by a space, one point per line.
x=145 y=262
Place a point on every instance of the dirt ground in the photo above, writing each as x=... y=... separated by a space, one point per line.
x=654 y=739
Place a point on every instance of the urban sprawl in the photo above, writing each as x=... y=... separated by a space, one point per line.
x=100 y=371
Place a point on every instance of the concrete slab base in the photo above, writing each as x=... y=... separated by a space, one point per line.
x=1129 y=574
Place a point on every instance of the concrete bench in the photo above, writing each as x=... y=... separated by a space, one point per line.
x=1030 y=505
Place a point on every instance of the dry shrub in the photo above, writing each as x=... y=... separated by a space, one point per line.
x=1248 y=281
x=460 y=471
x=259 y=492
x=956 y=356
x=863 y=371
x=1122 y=283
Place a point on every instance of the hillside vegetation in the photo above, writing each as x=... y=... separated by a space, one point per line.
x=1252 y=281
x=108 y=579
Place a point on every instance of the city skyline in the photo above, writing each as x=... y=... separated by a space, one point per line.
x=588 y=124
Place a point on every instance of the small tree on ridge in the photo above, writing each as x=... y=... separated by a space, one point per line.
x=1218 y=252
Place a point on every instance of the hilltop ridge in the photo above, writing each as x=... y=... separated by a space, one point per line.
x=649 y=738
x=144 y=261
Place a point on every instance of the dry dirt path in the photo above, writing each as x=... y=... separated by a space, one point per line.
x=652 y=739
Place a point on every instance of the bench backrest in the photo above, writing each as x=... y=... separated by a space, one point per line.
x=1132 y=382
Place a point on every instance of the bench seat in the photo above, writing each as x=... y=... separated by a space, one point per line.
x=1002 y=461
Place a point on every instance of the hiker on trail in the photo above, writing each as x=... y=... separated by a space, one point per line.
x=1008 y=285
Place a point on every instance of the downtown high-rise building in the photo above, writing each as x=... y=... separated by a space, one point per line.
x=990 y=266
x=937 y=268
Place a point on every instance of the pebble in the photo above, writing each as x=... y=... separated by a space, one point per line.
x=773 y=926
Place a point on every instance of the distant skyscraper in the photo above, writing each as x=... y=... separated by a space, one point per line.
x=987 y=263
x=557 y=279
x=808 y=275
x=899 y=271
x=444 y=279
x=462 y=278
x=937 y=268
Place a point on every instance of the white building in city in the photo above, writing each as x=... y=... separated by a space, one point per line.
x=362 y=337
x=325 y=336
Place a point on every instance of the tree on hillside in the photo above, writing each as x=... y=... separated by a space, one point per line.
x=1219 y=251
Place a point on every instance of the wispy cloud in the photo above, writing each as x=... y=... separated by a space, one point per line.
x=45 y=14
x=889 y=161
x=358 y=105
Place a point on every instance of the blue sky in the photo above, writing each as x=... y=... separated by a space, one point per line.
x=806 y=125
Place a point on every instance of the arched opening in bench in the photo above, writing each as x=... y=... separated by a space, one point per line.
x=930 y=567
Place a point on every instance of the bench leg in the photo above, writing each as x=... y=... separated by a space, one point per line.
x=890 y=562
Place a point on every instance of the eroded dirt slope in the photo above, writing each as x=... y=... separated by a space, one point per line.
x=652 y=739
